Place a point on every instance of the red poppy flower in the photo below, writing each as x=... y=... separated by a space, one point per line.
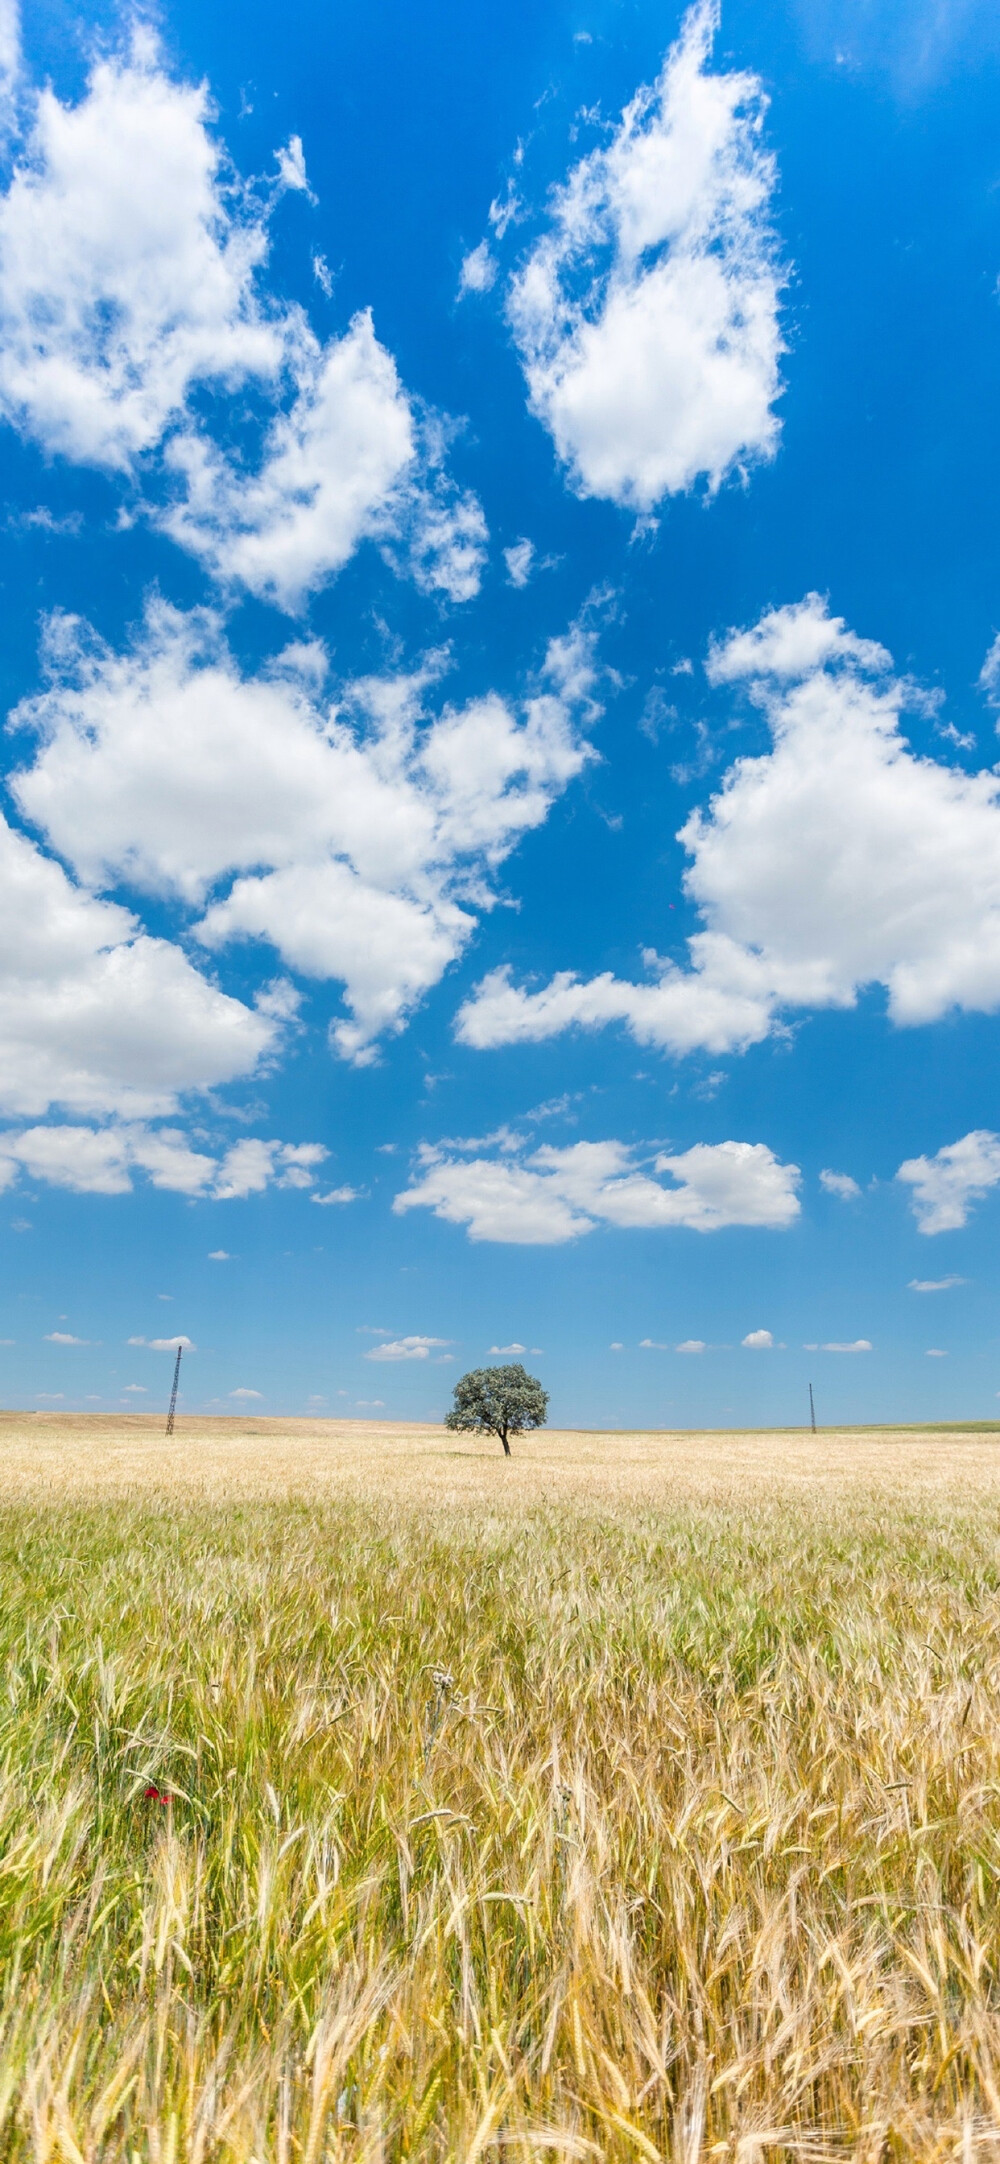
x=156 y=1795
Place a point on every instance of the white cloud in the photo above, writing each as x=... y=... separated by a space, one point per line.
x=836 y=860
x=138 y=1390
x=839 y=1183
x=759 y=1341
x=406 y=1348
x=647 y=315
x=945 y=1186
x=64 y=1337
x=126 y=266
x=519 y=559
x=337 y=1195
x=547 y=1196
x=616 y=1345
x=791 y=643
x=246 y=1393
x=691 y=1345
x=652 y=1344
x=101 y=1161
x=251 y=1166
x=164 y=1344
x=97 y=1016
x=989 y=674
x=505 y=210
x=935 y=1352
x=478 y=271
x=860 y=1344
x=131 y=260
x=508 y=1348
x=292 y=167
x=358 y=834
x=722 y=1007
x=219 y=1254
x=10 y=64
x=345 y=463
x=935 y=1284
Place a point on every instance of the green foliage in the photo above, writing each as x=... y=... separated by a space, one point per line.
x=498 y=1401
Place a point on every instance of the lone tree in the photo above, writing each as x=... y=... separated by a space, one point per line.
x=498 y=1401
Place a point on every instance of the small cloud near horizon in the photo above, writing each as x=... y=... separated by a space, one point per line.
x=164 y=1344
x=406 y=1348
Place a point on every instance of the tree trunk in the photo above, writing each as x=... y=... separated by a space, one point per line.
x=506 y=1445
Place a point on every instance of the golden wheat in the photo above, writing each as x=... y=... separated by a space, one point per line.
x=639 y=1799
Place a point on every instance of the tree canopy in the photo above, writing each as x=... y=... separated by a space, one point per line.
x=498 y=1401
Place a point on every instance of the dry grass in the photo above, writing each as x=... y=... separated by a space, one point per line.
x=638 y=1799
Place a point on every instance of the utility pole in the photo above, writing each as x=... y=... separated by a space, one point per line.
x=173 y=1394
x=812 y=1408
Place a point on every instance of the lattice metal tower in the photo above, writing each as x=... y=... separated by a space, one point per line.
x=173 y=1394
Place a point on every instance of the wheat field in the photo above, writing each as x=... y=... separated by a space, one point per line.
x=639 y=1798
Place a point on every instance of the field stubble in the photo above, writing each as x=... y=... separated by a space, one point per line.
x=637 y=1799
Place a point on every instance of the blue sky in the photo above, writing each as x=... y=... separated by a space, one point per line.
x=501 y=838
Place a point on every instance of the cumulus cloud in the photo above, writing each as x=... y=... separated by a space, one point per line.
x=165 y=1344
x=478 y=271
x=244 y=1393
x=352 y=837
x=859 y=1345
x=131 y=266
x=945 y=1186
x=346 y=462
x=935 y=1284
x=790 y=644
x=759 y=1341
x=647 y=314
x=127 y=261
x=406 y=1348
x=10 y=64
x=64 y=1337
x=508 y=1348
x=97 y=1016
x=691 y=1345
x=546 y=1196
x=841 y=1184
x=251 y=1166
x=102 y=1160
x=836 y=860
